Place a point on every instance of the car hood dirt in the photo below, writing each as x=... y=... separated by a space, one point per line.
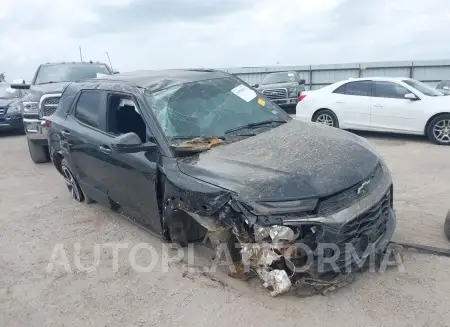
x=293 y=161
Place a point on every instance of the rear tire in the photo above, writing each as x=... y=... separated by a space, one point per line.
x=71 y=182
x=438 y=131
x=326 y=117
x=38 y=153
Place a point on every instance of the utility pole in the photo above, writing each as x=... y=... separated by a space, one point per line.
x=81 y=56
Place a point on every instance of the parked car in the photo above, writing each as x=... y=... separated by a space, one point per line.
x=444 y=87
x=43 y=96
x=189 y=151
x=283 y=89
x=10 y=108
x=398 y=105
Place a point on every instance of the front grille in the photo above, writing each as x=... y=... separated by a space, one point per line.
x=370 y=225
x=49 y=105
x=275 y=94
x=350 y=196
x=2 y=111
x=358 y=234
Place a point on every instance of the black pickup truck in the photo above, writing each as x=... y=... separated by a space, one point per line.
x=283 y=89
x=42 y=98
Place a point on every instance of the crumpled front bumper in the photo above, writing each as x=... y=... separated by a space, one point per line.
x=333 y=257
x=330 y=246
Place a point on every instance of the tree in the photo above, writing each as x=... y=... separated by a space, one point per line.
x=2 y=77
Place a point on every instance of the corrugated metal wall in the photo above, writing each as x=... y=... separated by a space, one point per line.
x=317 y=76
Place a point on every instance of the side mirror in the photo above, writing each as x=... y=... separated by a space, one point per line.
x=256 y=86
x=19 y=84
x=301 y=82
x=116 y=72
x=131 y=143
x=411 y=96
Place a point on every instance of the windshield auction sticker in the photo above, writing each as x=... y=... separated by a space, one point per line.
x=261 y=102
x=244 y=93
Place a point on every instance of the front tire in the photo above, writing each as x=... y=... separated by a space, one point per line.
x=326 y=117
x=438 y=130
x=38 y=153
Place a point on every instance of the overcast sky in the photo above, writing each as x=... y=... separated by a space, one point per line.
x=153 y=34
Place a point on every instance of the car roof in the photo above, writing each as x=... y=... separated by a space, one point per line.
x=387 y=79
x=155 y=80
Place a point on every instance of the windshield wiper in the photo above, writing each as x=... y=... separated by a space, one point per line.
x=49 y=82
x=251 y=125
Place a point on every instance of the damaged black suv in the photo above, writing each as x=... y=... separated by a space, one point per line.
x=190 y=153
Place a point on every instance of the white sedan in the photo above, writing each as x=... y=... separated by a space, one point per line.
x=399 y=105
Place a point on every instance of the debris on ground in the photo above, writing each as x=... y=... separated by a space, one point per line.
x=239 y=272
x=277 y=281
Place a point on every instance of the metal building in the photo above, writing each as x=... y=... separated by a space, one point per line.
x=317 y=76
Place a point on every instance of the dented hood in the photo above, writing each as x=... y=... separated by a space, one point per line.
x=293 y=161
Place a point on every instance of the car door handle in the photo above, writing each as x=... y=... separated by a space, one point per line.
x=340 y=102
x=378 y=105
x=105 y=149
x=65 y=133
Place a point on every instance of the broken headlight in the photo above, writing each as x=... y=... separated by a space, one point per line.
x=282 y=207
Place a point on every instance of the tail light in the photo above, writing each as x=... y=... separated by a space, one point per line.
x=301 y=97
x=48 y=123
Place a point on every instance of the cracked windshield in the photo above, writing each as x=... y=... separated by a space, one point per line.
x=218 y=108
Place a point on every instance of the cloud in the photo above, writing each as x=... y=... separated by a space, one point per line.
x=144 y=12
x=153 y=34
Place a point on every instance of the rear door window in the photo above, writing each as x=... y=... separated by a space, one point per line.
x=359 y=88
x=88 y=108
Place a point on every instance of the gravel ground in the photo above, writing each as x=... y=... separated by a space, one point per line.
x=37 y=213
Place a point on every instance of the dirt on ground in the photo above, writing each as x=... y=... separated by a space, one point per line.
x=38 y=215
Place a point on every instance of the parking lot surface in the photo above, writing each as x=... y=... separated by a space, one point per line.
x=37 y=213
